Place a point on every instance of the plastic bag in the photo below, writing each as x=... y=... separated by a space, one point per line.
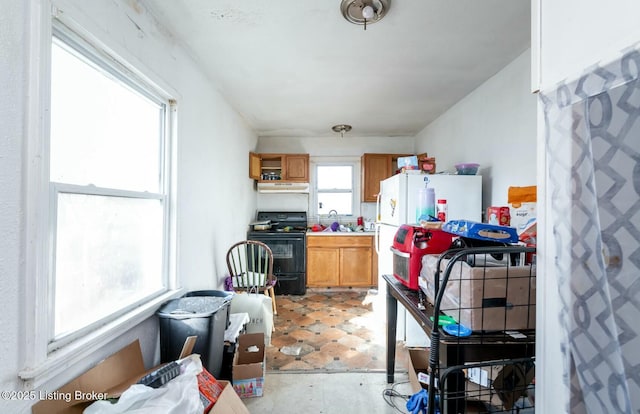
x=418 y=403
x=178 y=396
x=260 y=311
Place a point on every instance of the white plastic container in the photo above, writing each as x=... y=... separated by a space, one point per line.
x=426 y=203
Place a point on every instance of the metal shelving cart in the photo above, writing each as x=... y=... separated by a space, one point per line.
x=482 y=356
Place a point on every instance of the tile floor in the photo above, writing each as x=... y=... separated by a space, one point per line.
x=331 y=331
x=340 y=341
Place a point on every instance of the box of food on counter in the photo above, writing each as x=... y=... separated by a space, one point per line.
x=499 y=216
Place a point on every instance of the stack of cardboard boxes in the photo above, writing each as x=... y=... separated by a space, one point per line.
x=111 y=377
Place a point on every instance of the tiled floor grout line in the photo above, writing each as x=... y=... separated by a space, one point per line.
x=329 y=332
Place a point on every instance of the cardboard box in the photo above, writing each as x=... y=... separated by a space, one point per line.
x=500 y=385
x=522 y=206
x=408 y=163
x=479 y=384
x=210 y=389
x=512 y=382
x=248 y=369
x=110 y=378
x=485 y=298
x=427 y=164
x=499 y=216
x=419 y=368
x=229 y=402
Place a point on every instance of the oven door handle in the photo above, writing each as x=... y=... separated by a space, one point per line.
x=399 y=253
x=277 y=237
x=294 y=238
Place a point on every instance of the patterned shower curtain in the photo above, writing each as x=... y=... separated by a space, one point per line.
x=592 y=132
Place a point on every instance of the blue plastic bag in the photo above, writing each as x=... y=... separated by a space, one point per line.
x=419 y=402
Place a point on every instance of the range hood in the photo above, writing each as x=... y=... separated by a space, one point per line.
x=283 y=187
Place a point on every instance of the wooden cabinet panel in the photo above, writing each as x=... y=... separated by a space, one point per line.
x=339 y=241
x=374 y=265
x=254 y=166
x=281 y=167
x=334 y=261
x=323 y=267
x=355 y=266
x=297 y=167
x=375 y=168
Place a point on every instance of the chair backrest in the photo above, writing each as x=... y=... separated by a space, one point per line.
x=250 y=265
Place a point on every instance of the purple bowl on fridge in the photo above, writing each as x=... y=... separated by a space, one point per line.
x=467 y=168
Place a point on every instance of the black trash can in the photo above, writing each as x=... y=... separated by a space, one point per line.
x=215 y=293
x=202 y=316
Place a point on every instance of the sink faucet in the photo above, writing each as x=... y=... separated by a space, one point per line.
x=333 y=218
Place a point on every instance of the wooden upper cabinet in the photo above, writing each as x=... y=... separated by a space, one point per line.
x=375 y=168
x=254 y=166
x=297 y=167
x=280 y=167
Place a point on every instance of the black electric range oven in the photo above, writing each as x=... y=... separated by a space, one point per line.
x=287 y=240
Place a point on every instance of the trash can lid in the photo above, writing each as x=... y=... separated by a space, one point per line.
x=192 y=307
x=217 y=293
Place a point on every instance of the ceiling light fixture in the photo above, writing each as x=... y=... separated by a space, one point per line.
x=341 y=128
x=364 y=11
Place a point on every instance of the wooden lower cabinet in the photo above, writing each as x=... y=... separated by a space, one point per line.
x=355 y=266
x=341 y=261
x=323 y=266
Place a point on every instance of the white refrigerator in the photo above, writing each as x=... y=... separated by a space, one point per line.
x=396 y=205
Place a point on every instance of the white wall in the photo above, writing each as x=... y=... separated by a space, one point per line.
x=13 y=80
x=495 y=126
x=212 y=163
x=327 y=146
x=334 y=145
x=574 y=34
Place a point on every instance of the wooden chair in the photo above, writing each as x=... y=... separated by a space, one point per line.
x=250 y=265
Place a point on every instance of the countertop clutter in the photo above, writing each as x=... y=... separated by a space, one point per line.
x=335 y=228
x=340 y=233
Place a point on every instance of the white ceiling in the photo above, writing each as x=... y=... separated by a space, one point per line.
x=297 y=67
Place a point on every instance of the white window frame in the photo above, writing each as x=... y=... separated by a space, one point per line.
x=353 y=162
x=45 y=361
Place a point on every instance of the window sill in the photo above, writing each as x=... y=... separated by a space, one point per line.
x=59 y=361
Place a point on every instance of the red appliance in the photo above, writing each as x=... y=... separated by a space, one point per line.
x=409 y=245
